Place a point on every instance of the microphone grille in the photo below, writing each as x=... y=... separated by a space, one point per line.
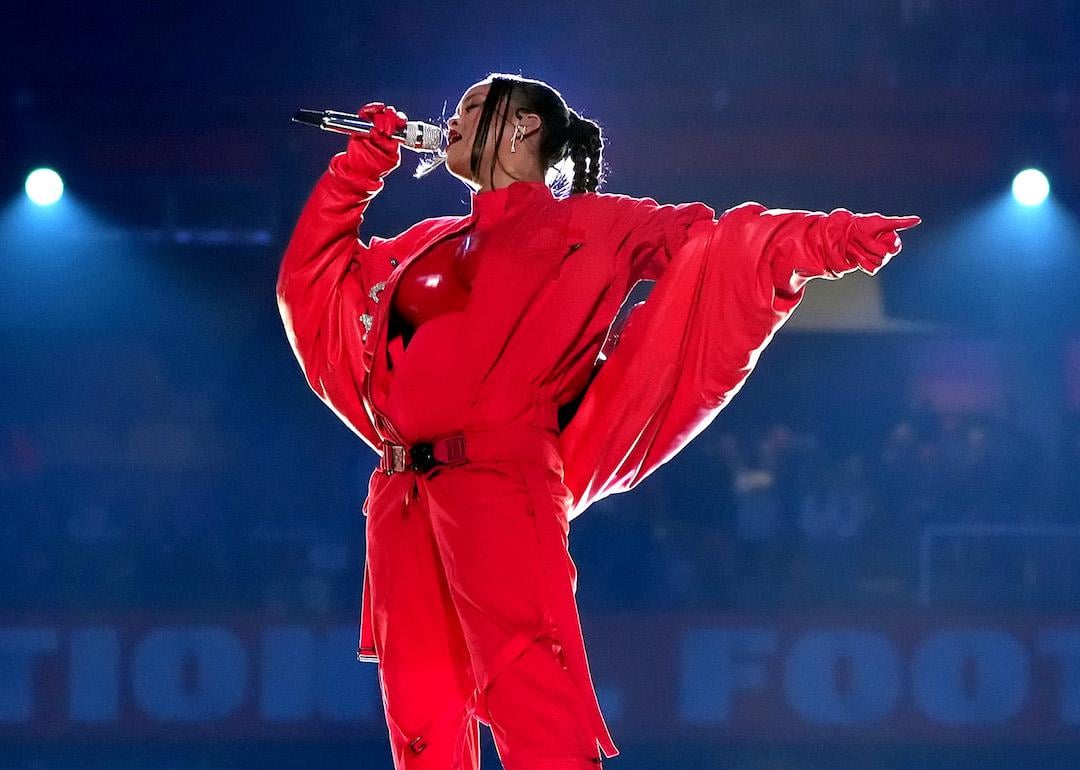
x=423 y=137
x=432 y=137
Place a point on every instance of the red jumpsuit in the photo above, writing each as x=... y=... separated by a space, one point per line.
x=468 y=598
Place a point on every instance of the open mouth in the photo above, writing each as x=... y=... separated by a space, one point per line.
x=452 y=137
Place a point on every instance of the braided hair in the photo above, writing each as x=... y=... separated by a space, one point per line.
x=565 y=136
x=585 y=146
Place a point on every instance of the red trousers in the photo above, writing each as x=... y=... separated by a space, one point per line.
x=469 y=579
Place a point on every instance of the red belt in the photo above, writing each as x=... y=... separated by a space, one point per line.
x=422 y=457
x=515 y=443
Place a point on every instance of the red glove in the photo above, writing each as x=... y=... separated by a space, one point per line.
x=873 y=239
x=387 y=120
x=374 y=154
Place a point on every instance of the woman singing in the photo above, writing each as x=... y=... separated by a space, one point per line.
x=473 y=354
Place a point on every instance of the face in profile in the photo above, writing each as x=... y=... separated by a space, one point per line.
x=497 y=166
x=462 y=130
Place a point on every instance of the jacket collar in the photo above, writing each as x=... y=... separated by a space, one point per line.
x=490 y=206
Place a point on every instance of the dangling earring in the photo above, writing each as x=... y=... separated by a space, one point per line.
x=515 y=137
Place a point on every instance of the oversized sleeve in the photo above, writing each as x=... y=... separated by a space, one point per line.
x=646 y=234
x=327 y=274
x=686 y=351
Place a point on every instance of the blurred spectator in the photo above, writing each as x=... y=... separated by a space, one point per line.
x=769 y=497
x=832 y=516
x=704 y=495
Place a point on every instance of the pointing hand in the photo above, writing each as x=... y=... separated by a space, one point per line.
x=873 y=239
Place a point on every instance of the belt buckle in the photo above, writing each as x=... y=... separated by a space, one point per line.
x=421 y=457
x=394 y=458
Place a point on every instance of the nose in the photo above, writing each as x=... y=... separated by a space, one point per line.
x=452 y=122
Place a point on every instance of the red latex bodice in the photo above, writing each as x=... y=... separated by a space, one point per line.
x=439 y=282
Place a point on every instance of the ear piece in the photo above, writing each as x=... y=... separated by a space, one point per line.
x=519 y=133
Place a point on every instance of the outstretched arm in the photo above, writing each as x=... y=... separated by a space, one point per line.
x=799 y=245
x=687 y=351
x=327 y=272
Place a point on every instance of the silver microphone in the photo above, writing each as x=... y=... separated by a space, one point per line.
x=416 y=136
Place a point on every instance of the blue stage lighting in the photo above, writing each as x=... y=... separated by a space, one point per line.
x=44 y=186
x=1030 y=187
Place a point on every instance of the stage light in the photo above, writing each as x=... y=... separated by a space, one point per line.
x=44 y=186
x=1030 y=187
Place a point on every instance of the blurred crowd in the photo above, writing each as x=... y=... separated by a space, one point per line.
x=165 y=498
x=942 y=508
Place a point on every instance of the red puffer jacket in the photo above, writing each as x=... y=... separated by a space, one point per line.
x=552 y=277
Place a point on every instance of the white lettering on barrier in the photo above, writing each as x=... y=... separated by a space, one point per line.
x=995 y=691
x=286 y=681
x=94 y=674
x=305 y=675
x=1065 y=645
x=347 y=690
x=865 y=692
x=20 y=647
x=716 y=665
x=219 y=663
x=192 y=673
